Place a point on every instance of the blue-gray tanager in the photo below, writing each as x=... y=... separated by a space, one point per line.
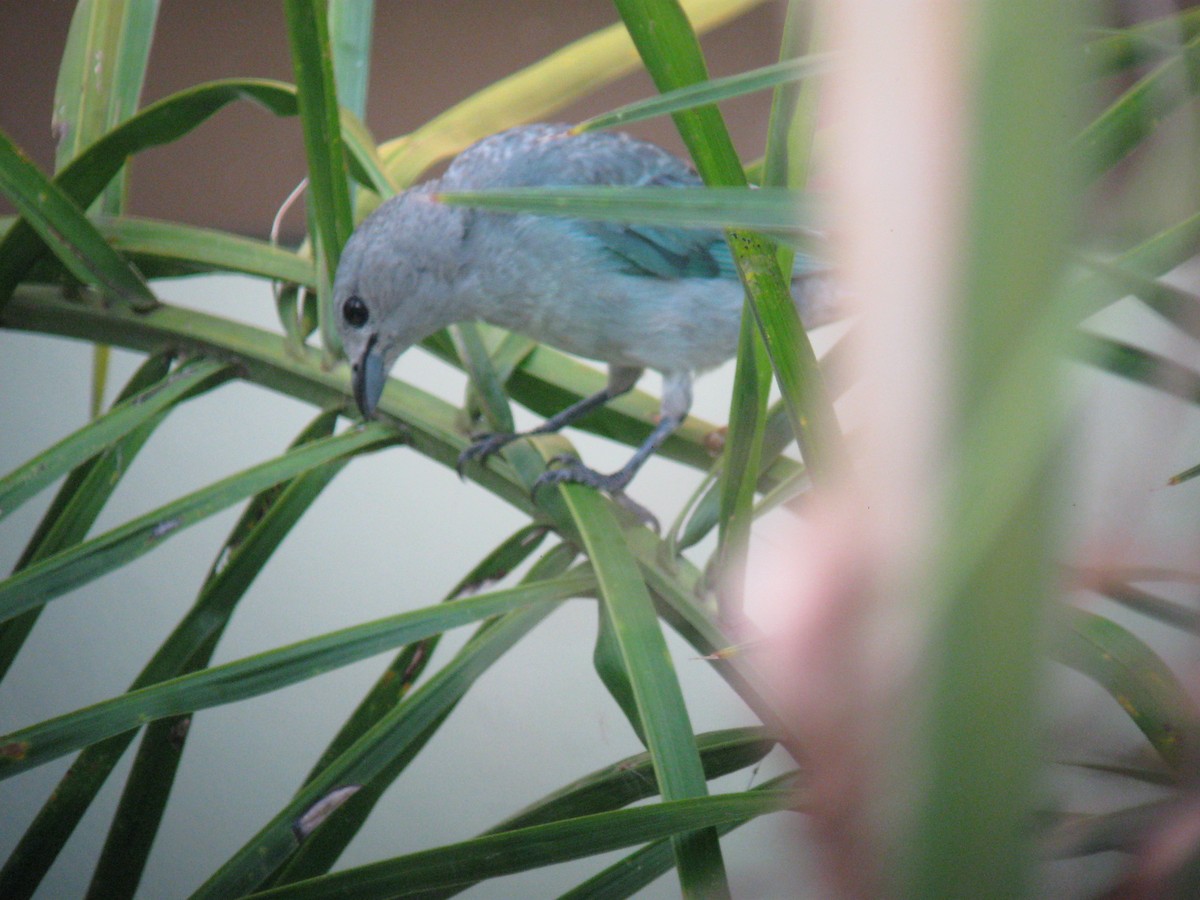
x=635 y=297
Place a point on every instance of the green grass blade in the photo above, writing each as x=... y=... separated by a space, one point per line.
x=260 y=530
x=54 y=576
x=639 y=869
x=991 y=574
x=506 y=350
x=630 y=780
x=1137 y=679
x=790 y=133
x=66 y=231
x=1154 y=256
x=534 y=93
x=712 y=91
x=1142 y=366
x=530 y=848
x=675 y=589
x=430 y=425
x=389 y=740
x=609 y=664
x=1186 y=475
x=250 y=677
x=397 y=680
x=671 y=53
x=100 y=358
x=329 y=211
x=99 y=83
x=191 y=378
x=668 y=46
x=100 y=78
x=1125 y=48
x=1177 y=615
x=322 y=849
x=312 y=59
x=778 y=211
x=362 y=156
x=165 y=249
x=160 y=123
x=485 y=381
x=350 y=26
x=79 y=501
x=1179 y=307
x=545 y=381
x=1134 y=115
x=633 y=779
x=668 y=731
x=267 y=519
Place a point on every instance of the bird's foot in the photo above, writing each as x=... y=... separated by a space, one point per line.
x=484 y=446
x=572 y=471
x=569 y=469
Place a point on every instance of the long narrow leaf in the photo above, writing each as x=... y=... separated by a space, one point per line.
x=100 y=78
x=671 y=51
x=157 y=124
x=1124 y=48
x=529 y=848
x=268 y=519
x=79 y=501
x=312 y=58
x=652 y=680
x=328 y=186
x=169 y=248
x=1139 y=365
x=99 y=83
x=265 y=522
x=711 y=91
x=378 y=749
x=485 y=381
x=639 y=869
x=779 y=211
x=630 y=780
x=790 y=133
x=25 y=481
x=1138 y=111
x=430 y=705
x=64 y=228
x=350 y=26
x=1178 y=306
x=77 y=565
x=30 y=747
x=1137 y=679
x=633 y=779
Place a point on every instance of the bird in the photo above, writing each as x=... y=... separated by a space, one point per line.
x=632 y=296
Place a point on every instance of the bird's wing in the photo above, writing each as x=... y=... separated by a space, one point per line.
x=663 y=252
x=548 y=155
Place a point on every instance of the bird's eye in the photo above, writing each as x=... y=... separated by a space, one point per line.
x=355 y=312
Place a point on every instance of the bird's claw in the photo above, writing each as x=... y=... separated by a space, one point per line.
x=484 y=446
x=572 y=471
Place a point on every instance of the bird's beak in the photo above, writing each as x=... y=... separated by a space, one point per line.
x=368 y=379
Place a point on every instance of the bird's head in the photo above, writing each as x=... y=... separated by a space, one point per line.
x=395 y=285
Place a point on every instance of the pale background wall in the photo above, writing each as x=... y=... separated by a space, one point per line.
x=356 y=556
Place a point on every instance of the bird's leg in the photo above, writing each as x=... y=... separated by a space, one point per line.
x=621 y=380
x=676 y=401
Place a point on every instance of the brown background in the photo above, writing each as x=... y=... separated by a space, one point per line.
x=236 y=169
